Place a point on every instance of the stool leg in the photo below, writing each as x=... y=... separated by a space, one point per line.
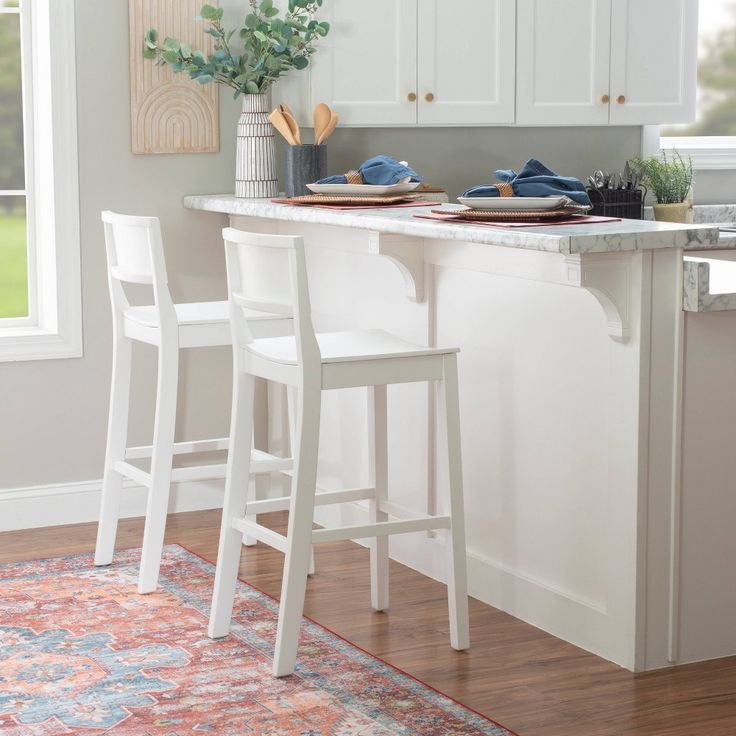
x=299 y=535
x=161 y=460
x=234 y=505
x=457 y=585
x=258 y=485
x=117 y=432
x=292 y=399
x=377 y=433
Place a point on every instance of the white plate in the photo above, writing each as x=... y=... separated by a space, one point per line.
x=512 y=203
x=354 y=190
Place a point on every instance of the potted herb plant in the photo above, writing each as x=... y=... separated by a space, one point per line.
x=248 y=60
x=670 y=178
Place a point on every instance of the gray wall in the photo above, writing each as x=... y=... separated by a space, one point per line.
x=54 y=412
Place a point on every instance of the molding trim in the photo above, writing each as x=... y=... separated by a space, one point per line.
x=75 y=503
x=709 y=153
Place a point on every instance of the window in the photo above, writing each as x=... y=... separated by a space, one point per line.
x=40 y=305
x=13 y=227
x=711 y=139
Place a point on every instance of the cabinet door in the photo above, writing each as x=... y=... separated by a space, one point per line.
x=562 y=62
x=366 y=67
x=466 y=61
x=654 y=49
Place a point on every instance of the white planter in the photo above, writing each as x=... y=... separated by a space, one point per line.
x=255 y=168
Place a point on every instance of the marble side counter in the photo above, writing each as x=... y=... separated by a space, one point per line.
x=619 y=236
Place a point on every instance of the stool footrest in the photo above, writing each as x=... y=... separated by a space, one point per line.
x=180 y=448
x=320 y=499
x=260 y=532
x=381 y=529
x=134 y=473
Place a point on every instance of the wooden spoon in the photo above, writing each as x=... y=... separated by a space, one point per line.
x=322 y=114
x=292 y=123
x=329 y=128
x=281 y=124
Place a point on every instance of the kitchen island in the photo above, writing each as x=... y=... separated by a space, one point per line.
x=571 y=382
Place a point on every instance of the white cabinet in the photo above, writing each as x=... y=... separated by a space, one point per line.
x=366 y=67
x=654 y=46
x=594 y=62
x=466 y=62
x=403 y=62
x=562 y=69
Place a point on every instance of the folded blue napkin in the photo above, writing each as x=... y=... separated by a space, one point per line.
x=534 y=180
x=382 y=170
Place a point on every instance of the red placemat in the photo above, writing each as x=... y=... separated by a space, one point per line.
x=574 y=220
x=414 y=203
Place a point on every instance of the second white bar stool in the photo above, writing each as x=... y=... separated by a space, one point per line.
x=135 y=254
x=315 y=363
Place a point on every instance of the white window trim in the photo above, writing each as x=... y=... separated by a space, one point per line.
x=707 y=152
x=54 y=329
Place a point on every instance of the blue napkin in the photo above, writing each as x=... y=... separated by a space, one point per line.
x=378 y=170
x=534 y=180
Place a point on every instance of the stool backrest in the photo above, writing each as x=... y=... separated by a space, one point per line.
x=268 y=273
x=135 y=254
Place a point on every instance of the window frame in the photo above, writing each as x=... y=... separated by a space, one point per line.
x=53 y=328
x=709 y=153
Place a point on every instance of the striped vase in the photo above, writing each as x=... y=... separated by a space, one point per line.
x=255 y=167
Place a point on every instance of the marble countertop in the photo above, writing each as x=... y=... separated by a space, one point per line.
x=624 y=235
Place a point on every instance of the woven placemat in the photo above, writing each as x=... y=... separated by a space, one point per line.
x=353 y=199
x=513 y=215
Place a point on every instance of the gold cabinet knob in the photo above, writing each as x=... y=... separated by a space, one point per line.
x=429 y=97
x=621 y=99
x=412 y=97
x=605 y=99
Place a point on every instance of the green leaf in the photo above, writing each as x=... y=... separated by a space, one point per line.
x=251 y=21
x=265 y=5
x=262 y=37
x=252 y=87
x=301 y=62
x=185 y=50
x=171 y=44
x=204 y=78
x=271 y=12
x=148 y=53
x=209 y=12
x=170 y=57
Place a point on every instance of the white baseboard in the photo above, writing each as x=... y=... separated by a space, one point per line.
x=74 y=503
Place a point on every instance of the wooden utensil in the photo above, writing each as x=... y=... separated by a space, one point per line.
x=329 y=128
x=322 y=115
x=292 y=123
x=281 y=124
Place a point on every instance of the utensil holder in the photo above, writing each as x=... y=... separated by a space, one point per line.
x=628 y=203
x=305 y=164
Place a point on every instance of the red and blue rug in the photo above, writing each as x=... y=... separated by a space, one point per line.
x=82 y=653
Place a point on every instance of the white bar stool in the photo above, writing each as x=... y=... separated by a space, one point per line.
x=135 y=254
x=315 y=363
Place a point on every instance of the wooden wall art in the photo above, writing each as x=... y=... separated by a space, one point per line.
x=169 y=112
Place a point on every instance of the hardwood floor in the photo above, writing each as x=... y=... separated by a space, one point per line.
x=518 y=675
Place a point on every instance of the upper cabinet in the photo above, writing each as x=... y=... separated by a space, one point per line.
x=466 y=62
x=403 y=62
x=366 y=67
x=594 y=62
x=562 y=54
x=654 y=50
x=500 y=62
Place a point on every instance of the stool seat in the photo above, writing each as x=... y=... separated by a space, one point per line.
x=343 y=347
x=201 y=324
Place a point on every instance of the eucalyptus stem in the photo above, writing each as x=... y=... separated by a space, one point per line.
x=272 y=45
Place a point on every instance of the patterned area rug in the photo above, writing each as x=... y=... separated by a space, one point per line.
x=82 y=653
